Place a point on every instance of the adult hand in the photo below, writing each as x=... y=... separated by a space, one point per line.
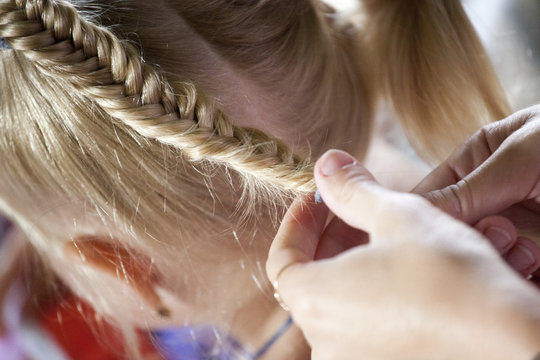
x=497 y=171
x=425 y=287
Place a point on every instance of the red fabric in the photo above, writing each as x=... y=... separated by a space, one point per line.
x=83 y=336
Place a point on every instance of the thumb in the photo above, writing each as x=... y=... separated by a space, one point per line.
x=353 y=194
x=504 y=179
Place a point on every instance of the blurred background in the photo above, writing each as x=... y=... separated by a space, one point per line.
x=510 y=31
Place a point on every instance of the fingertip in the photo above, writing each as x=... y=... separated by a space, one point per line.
x=349 y=190
x=332 y=161
x=524 y=256
x=500 y=231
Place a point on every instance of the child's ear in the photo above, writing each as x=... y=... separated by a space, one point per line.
x=106 y=255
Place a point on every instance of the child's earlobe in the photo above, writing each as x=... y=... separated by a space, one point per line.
x=134 y=269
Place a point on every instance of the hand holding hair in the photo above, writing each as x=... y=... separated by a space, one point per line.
x=497 y=171
x=425 y=287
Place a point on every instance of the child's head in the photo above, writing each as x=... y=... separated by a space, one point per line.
x=100 y=145
x=119 y=168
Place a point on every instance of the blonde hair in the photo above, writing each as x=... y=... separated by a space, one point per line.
x=432 y=66
x=113 y=117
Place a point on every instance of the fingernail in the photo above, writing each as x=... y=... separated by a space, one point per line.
x=333 y=160
x=520 y=258
x=499 y=238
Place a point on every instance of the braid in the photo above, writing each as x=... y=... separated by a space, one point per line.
x=112 y=73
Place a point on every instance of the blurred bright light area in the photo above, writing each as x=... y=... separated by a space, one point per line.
x=510 y=31
x=486 y=15
x=343 y=5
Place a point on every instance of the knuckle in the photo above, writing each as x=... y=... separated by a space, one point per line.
x=457 y=199
x=528 y=114
x=401 y=210
x=448 y=200
x=460 y=198
x=304 y=308
x=522 y=143
x=408 y=203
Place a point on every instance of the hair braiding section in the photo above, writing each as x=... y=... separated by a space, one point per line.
x=112 y=73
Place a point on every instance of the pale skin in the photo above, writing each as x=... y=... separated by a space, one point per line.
x=427 y=286
x=496 y=171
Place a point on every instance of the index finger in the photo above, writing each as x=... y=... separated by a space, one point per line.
x=297 y=238
x=473 y=153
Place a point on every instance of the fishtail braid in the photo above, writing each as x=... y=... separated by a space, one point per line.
x=112 y=73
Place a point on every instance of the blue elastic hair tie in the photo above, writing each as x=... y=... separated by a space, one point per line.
x=3 y=44
x=318 y=197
